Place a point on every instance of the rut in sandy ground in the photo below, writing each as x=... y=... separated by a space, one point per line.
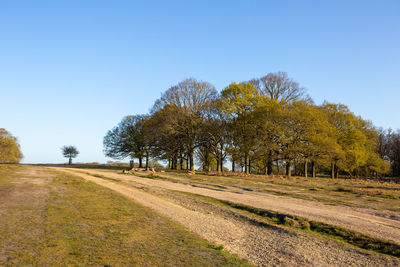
x=365 y=221
x=262 y=245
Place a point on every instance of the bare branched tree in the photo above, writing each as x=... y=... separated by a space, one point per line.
x=192 y=99
x=191 y=95
x=281 y=87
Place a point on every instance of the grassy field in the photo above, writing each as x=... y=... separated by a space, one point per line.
x=52 y=219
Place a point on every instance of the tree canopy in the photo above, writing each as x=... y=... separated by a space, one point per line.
x=10 y=150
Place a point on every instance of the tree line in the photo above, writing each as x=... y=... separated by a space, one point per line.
x=267 y=125
x=389 y=149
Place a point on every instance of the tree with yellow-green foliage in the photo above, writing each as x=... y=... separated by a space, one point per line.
x=308 y=136
x=268 y=119
x=238 y=102
x=357 y=139
x=9 y=148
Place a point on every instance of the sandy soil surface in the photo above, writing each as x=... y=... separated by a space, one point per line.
x=262 y=245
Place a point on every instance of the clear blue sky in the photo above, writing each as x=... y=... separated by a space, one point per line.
x=70 y=70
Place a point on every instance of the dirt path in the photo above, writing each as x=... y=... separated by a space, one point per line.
x=22 y=208
x=365 y=221
x=264 y=246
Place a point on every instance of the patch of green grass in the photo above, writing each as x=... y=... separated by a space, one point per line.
x=220 y=247
x=327 y=230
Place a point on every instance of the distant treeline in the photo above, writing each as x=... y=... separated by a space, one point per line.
x=267 y=125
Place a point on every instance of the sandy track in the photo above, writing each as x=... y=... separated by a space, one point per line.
x=360 y=220
x=264 y=246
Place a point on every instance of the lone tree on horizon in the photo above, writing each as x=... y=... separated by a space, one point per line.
x=69 y=152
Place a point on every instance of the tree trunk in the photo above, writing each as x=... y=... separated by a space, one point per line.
x=336 y=171
x=233 y=165
x=169 y=163
x=174 y=162
x=181 y=162
x=246 y=164
x=191 y=160
x=70 y=161
x=269 y=166
x=249 y=165
x=288 y=169
x=147 y=161
x=140 y=162
x=221 y=162
x=266 y=170
x=205 y=163
x=314 y=174
x=333 y=170
x=306 y=168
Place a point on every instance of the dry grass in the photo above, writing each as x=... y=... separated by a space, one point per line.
x=79 y=223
